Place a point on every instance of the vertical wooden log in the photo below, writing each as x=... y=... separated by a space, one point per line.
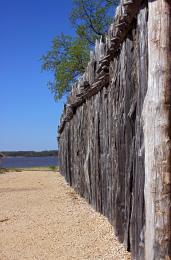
x=156 y=116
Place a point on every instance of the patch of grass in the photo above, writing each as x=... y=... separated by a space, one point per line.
x=17 y=170
x=3 y=170
x=49 y=168
x=53 y=168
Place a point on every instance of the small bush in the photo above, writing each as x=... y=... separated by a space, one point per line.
x=3 y=170
x=53 y=168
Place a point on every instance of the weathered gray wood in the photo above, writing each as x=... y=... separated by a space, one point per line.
x=101 y=141
x=95 y=73
x=105 y=139
x=156 y=116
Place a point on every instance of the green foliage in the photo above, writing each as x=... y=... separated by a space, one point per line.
x=67 y=59
x=3 y=170
x=53 y=168
x=91 y=18
x=30 y=153
x=68 y=56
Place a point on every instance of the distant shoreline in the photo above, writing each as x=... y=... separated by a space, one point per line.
x=30 y=153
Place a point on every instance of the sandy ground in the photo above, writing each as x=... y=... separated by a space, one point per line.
x=42 y=218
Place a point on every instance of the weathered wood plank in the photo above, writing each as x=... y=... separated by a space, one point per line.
x=101 y=141
x=156 y=116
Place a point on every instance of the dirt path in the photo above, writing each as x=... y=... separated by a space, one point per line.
x=42 y=218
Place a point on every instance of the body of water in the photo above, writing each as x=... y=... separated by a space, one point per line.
x=26 y=162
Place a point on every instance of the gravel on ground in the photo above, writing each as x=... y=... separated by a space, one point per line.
x=42 y=218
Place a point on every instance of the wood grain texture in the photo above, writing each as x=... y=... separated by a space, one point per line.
x=102 y=146
x=156 y=115
x=96 y=74
x=112 y=142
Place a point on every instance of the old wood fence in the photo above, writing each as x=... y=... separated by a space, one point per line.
x=114 y=136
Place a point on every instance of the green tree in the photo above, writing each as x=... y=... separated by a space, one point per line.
x=67 y=59
x=91 y=18
x=68 y=56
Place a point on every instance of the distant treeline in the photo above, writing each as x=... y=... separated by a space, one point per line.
x=31 y=153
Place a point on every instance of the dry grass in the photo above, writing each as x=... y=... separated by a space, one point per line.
x=49 y=168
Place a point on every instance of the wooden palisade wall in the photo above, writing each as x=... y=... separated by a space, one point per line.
x=114 y=135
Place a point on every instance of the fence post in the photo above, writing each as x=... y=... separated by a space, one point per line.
x=157 y=132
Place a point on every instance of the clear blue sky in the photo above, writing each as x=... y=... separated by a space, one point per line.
x=29 y=114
